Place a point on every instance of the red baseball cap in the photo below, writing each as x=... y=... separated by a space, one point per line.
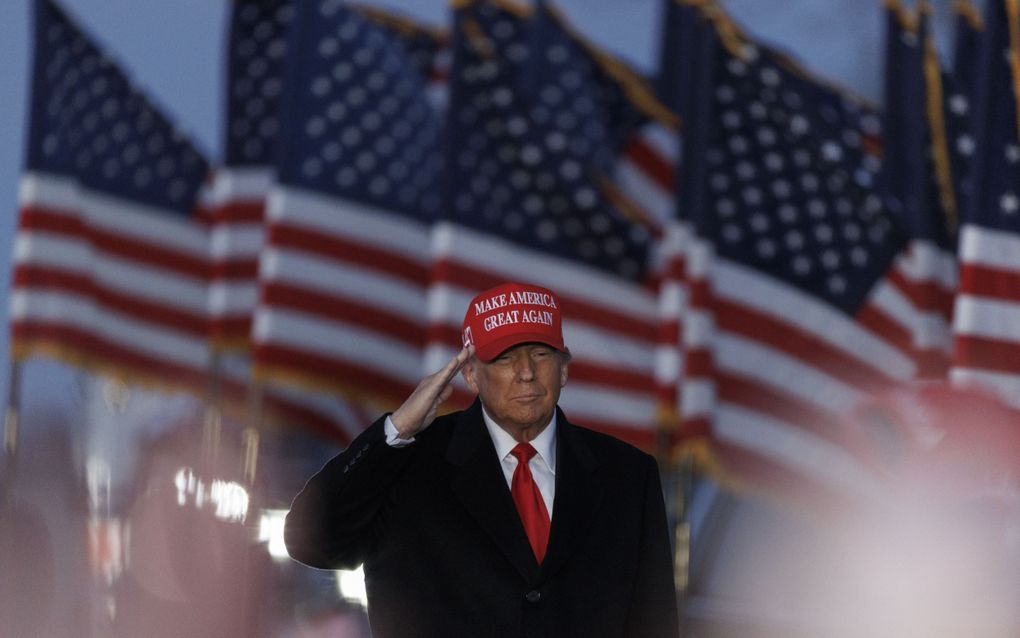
x=510 y=314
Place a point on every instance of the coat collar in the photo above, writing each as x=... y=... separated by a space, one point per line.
x=475 y=476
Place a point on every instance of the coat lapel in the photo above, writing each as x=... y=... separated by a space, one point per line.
x=475 y=476
x=579 y=492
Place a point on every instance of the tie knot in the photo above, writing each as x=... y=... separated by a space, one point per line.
x=523 y=452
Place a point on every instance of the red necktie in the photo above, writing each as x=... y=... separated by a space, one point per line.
x=529 y=501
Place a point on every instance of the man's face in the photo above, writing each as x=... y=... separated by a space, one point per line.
x=520 y=387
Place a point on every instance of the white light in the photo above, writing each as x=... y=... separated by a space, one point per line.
x=351 y=584
x=229 y=498
x=271 y=533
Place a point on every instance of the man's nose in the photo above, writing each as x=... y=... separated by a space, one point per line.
x=525 y=369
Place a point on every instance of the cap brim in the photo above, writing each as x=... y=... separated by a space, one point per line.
x=496 y=347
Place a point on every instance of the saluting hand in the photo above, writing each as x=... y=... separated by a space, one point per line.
x=419 y=410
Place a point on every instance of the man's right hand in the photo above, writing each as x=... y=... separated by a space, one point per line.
x=419 y=410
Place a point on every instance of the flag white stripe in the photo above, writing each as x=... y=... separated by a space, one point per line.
x=698 y=397
x=53 y=251
x=786 y=375
x=601 y=403
x=645 y=191
x=742 y=286
x=607 y=348
x=115 y=274
x=664 y=140
x=891 y=302
x=989 y=318
x=236 y=183
x=230 y=298
x=366 y=225
x=146 y=224
x=926 y=262
x=236 y=241
x=365 y=285
x=82 y=313
x=792 y=447
x=61 y=193
x=1005 y=385
x=320 y=337
x=992 y=248
x=164 y=229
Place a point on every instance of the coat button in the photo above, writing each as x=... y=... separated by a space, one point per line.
x=533 y=596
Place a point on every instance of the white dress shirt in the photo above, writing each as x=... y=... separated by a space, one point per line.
x=542 y=465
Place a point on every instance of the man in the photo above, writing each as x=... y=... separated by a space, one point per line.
x=458 y=537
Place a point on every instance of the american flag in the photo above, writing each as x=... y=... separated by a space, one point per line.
x=681 y=34
x=257 y=61
x=791 y=320
x=344 y=270
x=521 y=204
x=631 y=141
x=987 y=312
x=917 y=189
x=959 y=97
x=111 y=257
x=256 y=57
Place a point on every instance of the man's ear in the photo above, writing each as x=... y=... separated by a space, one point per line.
x=468 y=372
x=563 y=373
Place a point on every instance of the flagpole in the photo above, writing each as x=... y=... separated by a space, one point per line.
x=683 y=477
x=252 y=433
x=8 y=475
x=250 y=439
x=212 y=425
x=11 y=424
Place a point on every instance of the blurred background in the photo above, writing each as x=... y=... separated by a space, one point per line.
x=785 y=232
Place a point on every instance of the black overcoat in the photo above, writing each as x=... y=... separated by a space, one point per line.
x=446 y=556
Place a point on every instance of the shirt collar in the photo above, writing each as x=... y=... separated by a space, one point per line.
x=544 y=443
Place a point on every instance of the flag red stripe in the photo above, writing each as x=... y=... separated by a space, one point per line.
x=278 y=360
x=344 y=250
x=643 y=438
x=698 y=363
x=168 y=316
x=983 y=281
x=152 y=253
x=342 y=309
x=669 y=332
x=674 y=270
x=932 y=364
x=231 y=326
x=294 y=414
x=238 y=269
x=986 y=354
x=926 y=296
x=762 y=474
x=786 y=407
x=37 y=334
x=884 y=327
x=797 y=344
x=699 y=293
x=240 y=211
x=651 y=163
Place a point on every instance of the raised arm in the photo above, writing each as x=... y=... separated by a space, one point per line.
x=337 y=517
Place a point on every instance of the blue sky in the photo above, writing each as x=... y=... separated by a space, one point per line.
x=174 y=51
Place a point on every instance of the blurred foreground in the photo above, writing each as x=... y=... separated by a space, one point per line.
x=132 y=518
x=152 y=530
